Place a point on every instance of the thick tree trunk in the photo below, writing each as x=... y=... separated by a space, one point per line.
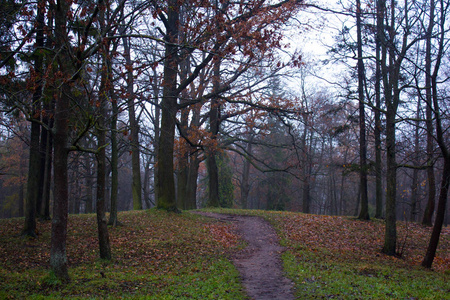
x=166 y=183
x=58 y=255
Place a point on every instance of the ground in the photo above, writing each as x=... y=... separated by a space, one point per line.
x=259 y=262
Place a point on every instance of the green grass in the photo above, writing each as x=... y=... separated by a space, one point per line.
x=156 y=255
x=159 y=255
x=340 y=258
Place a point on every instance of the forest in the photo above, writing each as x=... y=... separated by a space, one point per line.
x=289 y=105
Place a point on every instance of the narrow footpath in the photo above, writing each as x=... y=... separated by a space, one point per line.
x=259 y=263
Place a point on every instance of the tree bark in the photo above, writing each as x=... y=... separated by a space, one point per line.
x=58 y=255
x=114 y=165
x=103 y=236
x=377 y=115
x=440 y=138
x=440 y=214
x=191 y=191
x=33 y=198
x=134 y=128
x=245 y=185
x=166 y=183
x=214 y=123
x=364 y=213
x=431 y=182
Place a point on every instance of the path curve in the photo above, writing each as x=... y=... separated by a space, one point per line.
x=259 y=263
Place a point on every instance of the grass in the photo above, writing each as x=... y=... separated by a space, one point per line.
x=340 y=258
x=156 y=255
x=159 y=255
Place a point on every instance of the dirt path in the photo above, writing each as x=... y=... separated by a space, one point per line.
x=259 y=263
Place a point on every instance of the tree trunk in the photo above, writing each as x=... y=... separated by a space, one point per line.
x=191 y=191
x=431 y=182
x=415 y=177
x=214 y=123
x=134 y=128
x=377 y=131
x=390 y=242
x=102 y=223
x=245 y=185
x=440 y=214
x=166 y=183
x=183 y=159
x=89 y=185
x=114 y=164
x=440 y=138
x=364 y=213
x=103 y=236
x=33 y=199
x=58 y=255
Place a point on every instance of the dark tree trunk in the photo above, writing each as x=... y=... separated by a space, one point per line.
x=47 y=176
x=114 y=164
x=89 y=185
x=390 y=242
x=440 y=138
x=103 y=236
x=415 y=177
x=183 y=159
x=245 y=184
x=214 y=123
x=166 y=183
x=33 y=198
x=102 y=223
x=364 y=213
x=134 y=128
x=440 y=215
x=58 y=255
x=431 y=182
x=377 y=131
x=191 y=191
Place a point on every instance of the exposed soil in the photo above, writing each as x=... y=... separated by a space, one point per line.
x=259 y=263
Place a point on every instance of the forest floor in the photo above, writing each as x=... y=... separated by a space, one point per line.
x=241 y=254
x=259 y=263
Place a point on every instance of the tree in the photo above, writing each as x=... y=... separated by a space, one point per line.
x=440 y=139
x=235 y=23
x=134 y=128
x=364 y=213
x=431 y=182
x=58 y=255
x=34 y=176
